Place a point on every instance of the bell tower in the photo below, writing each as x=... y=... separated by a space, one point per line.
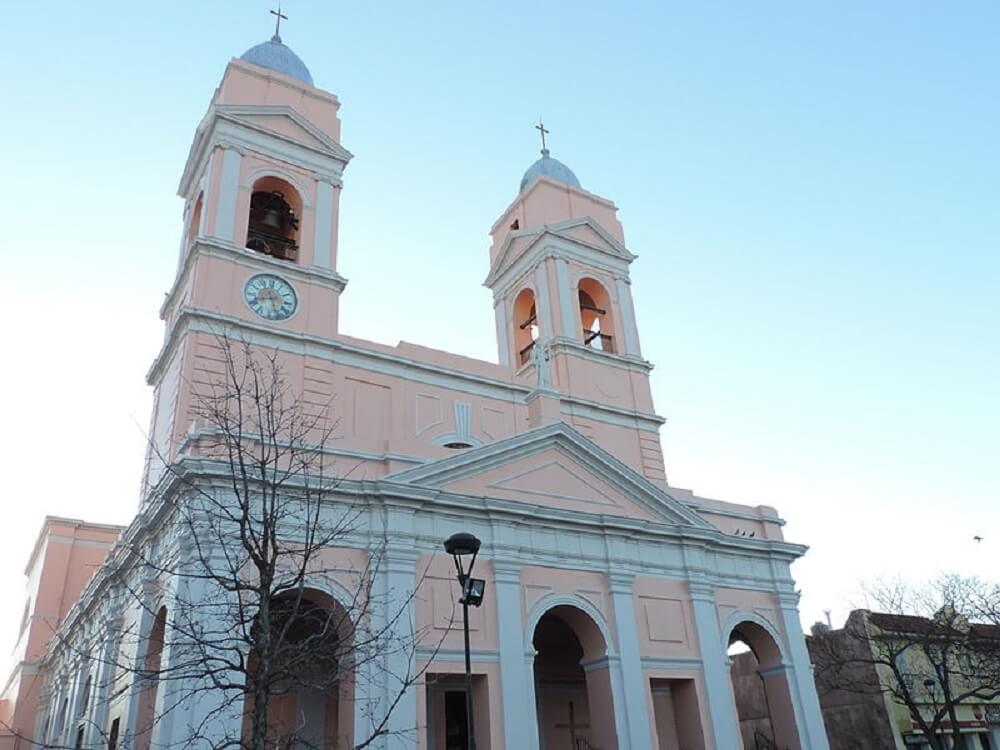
x=261 y=190
x=258 y=253
x=559 y=271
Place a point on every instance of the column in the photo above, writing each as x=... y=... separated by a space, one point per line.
x=503 y=331
x=323 y=238
x=102 y=686
x=801 y=683
x=543 y=302
x=718 y=690
x=622 y=288
x=229 y=187
x=400 y=577
x=566 y=298
x=518 y=714
x=636 y=689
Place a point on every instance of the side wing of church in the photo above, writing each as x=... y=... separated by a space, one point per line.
x=612 y=598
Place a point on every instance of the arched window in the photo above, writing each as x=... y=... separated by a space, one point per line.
x=146 y=717
x=194 y=222
x=525 y=325
x=595 y=315
x=275 y=208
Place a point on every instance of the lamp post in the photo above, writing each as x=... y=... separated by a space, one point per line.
x=460 y=546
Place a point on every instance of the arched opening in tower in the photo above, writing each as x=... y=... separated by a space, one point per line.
x=272 y=229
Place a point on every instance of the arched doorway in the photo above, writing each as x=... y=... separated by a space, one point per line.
x=146 y=716
x=761 y=690
x=572 y=682
x=310 y=702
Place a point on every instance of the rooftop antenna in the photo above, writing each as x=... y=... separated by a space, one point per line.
x=829 y=623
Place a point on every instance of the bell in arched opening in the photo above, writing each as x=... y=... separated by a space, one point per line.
x=272 y=225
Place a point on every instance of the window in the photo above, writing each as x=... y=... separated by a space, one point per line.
x=526 y=329
x=113 y=735
x=79 y=738
x=595 y=305
x=273 y=225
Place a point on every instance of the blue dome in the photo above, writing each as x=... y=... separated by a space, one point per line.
x=274 y=55
x=551 y=168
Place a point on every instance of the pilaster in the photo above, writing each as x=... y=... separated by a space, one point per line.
x=518 y=715
x=801 y=682
x=323 y=237
x=229 y=187
x=629 y=328
x=723 y=726
x=636 y=690
x=543 y=303
x=566 y=297
x=503 y=331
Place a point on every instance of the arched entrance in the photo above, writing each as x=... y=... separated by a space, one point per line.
x=761 y=690
x=572 y=682
x=310 y=702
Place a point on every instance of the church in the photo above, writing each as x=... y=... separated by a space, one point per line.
x=612 y=600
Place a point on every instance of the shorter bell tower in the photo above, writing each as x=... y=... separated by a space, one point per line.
x=559 y=271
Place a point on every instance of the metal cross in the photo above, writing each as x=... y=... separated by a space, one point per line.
x=277 y=21
x=540 y=127
x=572 y=726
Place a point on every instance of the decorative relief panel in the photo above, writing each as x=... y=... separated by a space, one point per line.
x=665 y=621
x=428 y=412
x=493 y=423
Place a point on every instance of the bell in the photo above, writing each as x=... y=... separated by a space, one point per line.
x=272 y=219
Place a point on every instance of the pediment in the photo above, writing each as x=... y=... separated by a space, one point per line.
x=286 y=126
x=580 y=235
x=555 y=467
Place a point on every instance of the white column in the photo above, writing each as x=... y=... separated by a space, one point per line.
x=324 y=224
x=101 y=686
x=566 y=298
x=636 y=689
x=530 y=699
x=801 y=683
x=503 y=331
x=543 y=302
x=400 y=576
x=622 y=287
x=721 y=707
x=229 y=188
x=518 y=715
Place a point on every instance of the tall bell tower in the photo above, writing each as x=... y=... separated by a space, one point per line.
x=261 y=189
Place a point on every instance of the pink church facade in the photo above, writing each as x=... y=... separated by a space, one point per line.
x=551 y=456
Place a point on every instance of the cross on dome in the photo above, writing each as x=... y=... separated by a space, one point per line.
x=547 y=166
x=277 y=22
x=540 y=127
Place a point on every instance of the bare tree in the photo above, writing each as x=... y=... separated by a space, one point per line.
x=923 y=647
x=231 y=566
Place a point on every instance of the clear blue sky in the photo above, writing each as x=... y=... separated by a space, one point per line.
x=812 y=190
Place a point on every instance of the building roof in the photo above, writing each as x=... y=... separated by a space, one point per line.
x=925 y=626
x=549 y=167
x=275 y=55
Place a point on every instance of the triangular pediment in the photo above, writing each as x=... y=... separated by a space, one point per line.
x=555 y=467
x=281 y=124
x=575 y=237
x=284 y=122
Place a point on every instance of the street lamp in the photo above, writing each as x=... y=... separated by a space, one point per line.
x=460 y=546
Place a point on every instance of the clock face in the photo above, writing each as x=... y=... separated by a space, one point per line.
x=270 y=296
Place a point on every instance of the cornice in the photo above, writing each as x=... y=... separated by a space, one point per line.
x=216 y=248
x=550 y=240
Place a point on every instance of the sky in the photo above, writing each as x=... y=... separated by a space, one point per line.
x=812 y=190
